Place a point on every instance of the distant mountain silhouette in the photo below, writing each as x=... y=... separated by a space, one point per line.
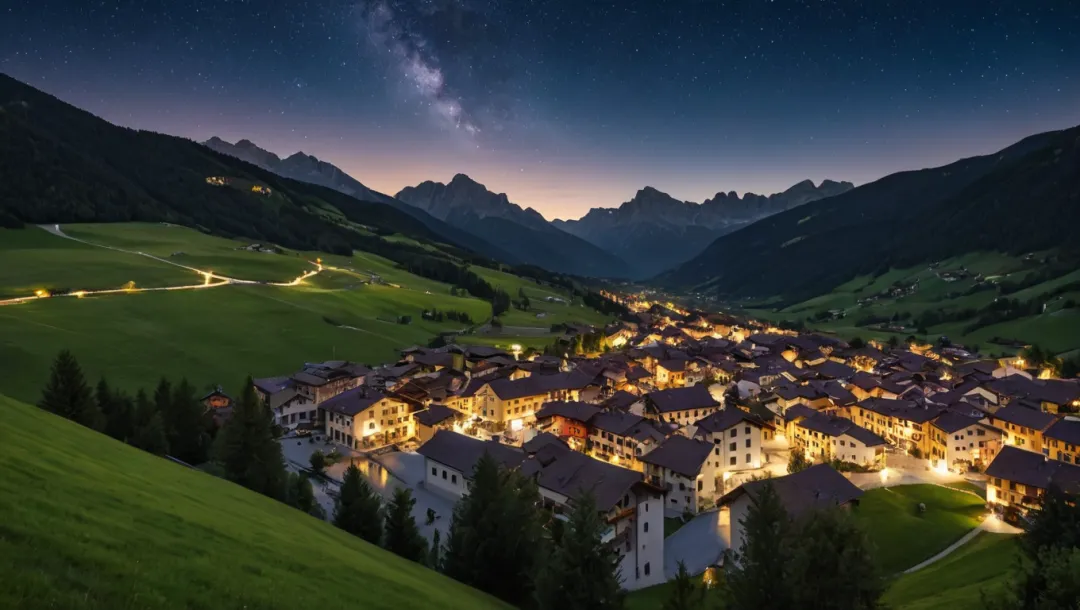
x=654 y=232
x=1021 y=199
x=523 y=232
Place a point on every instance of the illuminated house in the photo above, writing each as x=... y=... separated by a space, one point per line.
x=828 y=437
x=260 y=189
x=682 y=466
x=567 y=420
x=1062 y=440
x=680 y=405
x=1021 y=426
x=735 y=436
x=363 y=417
x=1017 y=479
x=622 y=438
x=964 y=440
x=514 y=402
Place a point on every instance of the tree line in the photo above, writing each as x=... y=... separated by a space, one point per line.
x=173 y=422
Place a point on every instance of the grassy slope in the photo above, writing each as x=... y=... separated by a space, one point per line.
x=904 y=536
x=956 y=582
x=555 y=313
x=32 y=259
x=92 y=523
x=1056 y=329
x=211 y=336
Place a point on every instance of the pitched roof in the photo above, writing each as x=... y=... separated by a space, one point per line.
x=579 y=411
x=619 y=423
x=354 y=401
x=679 y=454
x=902 y=409
x=834 y=370
x=461 y=452
x=1030 y=468
x=542 y=440
x=831 y=425
x=621 y=400
x=436 y=414
x=951 y=421
x=1023 y=416
x=680 y=399
x=1066 y=429
x=819 y=486
x=535 y=385
x=271 y=385
x=572 y=474
x=726 y=418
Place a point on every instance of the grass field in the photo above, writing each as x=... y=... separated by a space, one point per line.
x=211 y=336
x=1055 y=328
x=904 y=536
x=32 y=259
x=92 y=523
x=957 y=581
x=551 y=312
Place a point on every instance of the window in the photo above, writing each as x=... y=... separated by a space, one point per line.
x=748 y=460
x=747 y=443
x=646 y=528
x=434 y=471
x=716 y=451
x=746 y=430
x=700 y=485
x=646 y=507
x=371 y=426
x=732 y=446
x=734 y=432
x=842 y=443
x=646 y=568
x=732 y=460
x=453 y=479
x=444 y=475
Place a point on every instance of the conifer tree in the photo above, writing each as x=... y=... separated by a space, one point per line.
x=832 y=566
x=582 y=572
x=434 y=558
x=187 y=425
x=758 y=580
x=68 y=395
x=117 y=409
x=301 y=496
x=358 y=509
x=684 y=595
x=149 y=430
x=247 y=450
x=402 y=536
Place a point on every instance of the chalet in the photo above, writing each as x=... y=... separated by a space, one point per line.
x=632 y=508
x=1061 y=441
x=671 y=373
x=322 y=381
x=1017 y=479
x=964 y=440
x=680 y=405
x=1021 y=426
x=682 y=466
x=567 y=420
x=817 y=487
x=435 y=417
x=903 y=423
x=449 y=460
x=513 y=403
x=736 y=437
x=829 y=437
x=622 y=438
x=363 y=417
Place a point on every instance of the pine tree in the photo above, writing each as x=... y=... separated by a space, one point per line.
x=301 y=496
x=163 y=396
x=582 y=572
x=402 y=536
x=496 y=536
x=358 y=509
x=117 y=409
x=247 y=450
x=318 y=463
x=434 y=558
x=68 y=395
x=186 y=424
x=797 y=461
x=758 y=580
x=149 y=429
x=684 y=595
x=832 y=566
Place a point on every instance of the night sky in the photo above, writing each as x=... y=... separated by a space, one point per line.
x=569 y=104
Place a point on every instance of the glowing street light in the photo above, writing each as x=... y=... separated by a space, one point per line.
x=41 y=294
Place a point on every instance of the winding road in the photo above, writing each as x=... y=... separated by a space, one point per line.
x=210 y=279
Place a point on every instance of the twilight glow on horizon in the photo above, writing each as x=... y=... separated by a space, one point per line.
x=567 y=105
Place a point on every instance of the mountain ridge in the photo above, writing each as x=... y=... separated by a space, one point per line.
x=654 y=231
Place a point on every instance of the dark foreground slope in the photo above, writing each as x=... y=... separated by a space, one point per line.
x=1021 y=199
x=88 y=522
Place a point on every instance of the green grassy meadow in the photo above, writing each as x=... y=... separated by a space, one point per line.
x=902 y=535
x=92 y=523
x=957 y=581
x=552 y=312
x=1056 y=328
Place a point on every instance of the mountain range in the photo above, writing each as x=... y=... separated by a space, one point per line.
x=654 y=232
x=1024 y=198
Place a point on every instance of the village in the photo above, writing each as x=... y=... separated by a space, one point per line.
x=677 y=417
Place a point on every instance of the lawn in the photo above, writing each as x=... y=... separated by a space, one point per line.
x=902 y=535
x=957 y=581
x=92 y=523
x=33 y=259
x=672 y=525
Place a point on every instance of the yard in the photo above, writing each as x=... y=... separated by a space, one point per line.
x=91 y=523
x=903 y=535
x=957 y=581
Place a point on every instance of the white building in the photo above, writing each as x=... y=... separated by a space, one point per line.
x=683 y=467
x=736 y=437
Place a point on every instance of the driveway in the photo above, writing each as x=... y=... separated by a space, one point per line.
x=698 y=544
